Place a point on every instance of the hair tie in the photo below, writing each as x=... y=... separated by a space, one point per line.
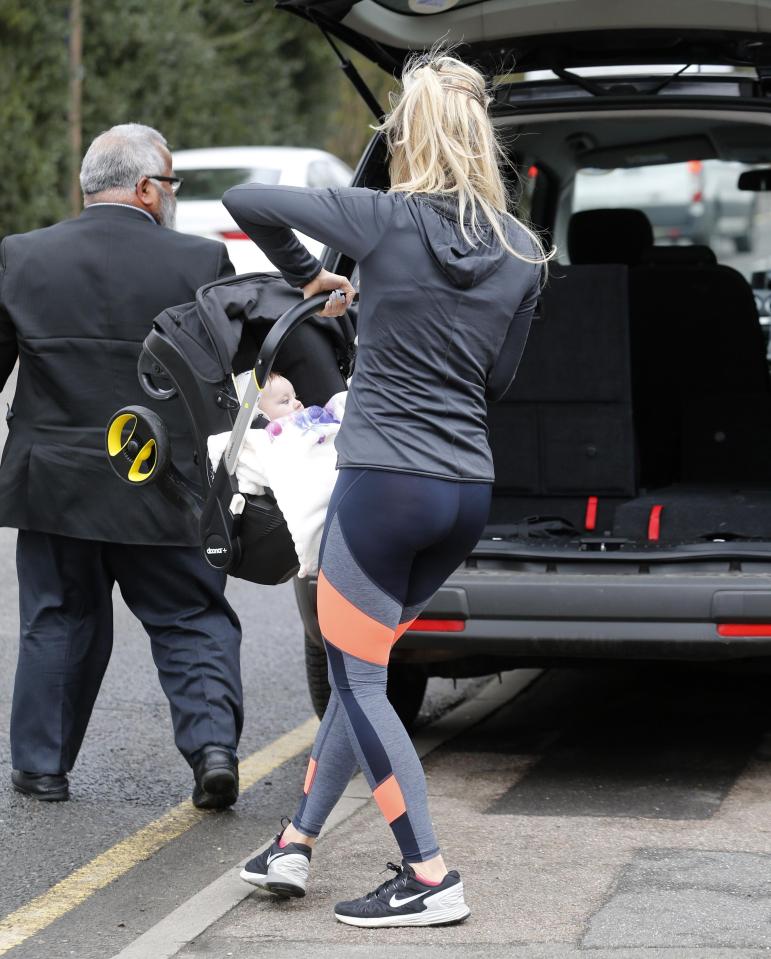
x=469 y=93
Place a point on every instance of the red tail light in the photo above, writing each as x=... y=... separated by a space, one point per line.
x=744 y=629
x=697 y=197
x=233 y=235
x=438 y=626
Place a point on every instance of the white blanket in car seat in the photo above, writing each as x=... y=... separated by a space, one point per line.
x=295 y=457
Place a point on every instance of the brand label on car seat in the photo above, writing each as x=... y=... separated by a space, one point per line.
x=217 y=551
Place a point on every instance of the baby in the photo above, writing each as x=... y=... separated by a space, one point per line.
x=278 y=398
x=300 y=469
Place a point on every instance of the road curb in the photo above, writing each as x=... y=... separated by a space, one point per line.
x=188 y=921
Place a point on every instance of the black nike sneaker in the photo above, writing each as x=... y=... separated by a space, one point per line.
x=282 y=871
x=406 y=901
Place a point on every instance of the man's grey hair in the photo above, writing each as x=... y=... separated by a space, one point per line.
x=118 y=158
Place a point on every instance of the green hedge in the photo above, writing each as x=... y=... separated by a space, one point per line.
x=204 y=72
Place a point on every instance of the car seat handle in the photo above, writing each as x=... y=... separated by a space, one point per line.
x=148 y=371
x=281 y=329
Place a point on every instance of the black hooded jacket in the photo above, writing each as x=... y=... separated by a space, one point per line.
x=442 y=321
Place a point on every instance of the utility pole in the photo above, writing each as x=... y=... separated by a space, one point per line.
x=74 y=106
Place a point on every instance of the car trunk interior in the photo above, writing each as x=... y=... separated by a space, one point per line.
x=640 y=417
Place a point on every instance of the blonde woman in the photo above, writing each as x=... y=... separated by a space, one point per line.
x=449 y=281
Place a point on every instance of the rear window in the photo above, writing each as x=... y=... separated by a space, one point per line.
x=211 y=184
x=693 y=202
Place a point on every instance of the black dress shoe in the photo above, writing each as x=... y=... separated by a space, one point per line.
x=216 y=779
x=45 y=786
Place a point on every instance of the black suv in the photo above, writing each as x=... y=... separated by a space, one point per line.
x=632 y=505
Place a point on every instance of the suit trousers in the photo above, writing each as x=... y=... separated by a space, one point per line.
x=65 y=604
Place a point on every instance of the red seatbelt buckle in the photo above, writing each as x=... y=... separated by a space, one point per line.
x=590 y=520
x=654 y=522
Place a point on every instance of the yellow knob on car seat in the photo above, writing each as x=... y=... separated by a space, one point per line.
x=137 y=445
x=115 y=442
x=135 y=474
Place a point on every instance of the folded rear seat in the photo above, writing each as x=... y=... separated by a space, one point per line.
x=564 y=431
x=701 y=386
x=701 y=396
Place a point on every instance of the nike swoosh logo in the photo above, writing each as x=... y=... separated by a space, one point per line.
x=276 y=855
x=395 y=903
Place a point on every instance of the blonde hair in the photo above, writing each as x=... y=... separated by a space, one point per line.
x=441 y=140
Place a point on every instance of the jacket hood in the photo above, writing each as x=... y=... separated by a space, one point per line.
x=462 y=262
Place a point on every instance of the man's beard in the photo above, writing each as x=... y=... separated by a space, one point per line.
x=167 y=214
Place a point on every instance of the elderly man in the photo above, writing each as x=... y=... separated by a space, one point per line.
x=76 y=301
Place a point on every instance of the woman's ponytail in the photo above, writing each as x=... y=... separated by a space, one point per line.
x=441 y=140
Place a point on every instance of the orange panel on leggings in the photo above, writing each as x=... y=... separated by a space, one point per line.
x=348 y=628
x=389 y=797
x=310 y=776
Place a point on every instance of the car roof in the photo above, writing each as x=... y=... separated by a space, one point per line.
x=247 y=157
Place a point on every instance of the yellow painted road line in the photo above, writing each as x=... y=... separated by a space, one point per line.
x=124 y=855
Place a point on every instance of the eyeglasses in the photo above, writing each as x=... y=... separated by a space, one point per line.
x=175 y=181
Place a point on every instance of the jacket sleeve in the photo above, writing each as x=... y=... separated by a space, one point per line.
x=350 y=220
x=9 y=347
x=224 y=267
x=504 y=370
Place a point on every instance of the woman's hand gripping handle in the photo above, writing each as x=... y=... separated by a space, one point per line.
x=341 y=292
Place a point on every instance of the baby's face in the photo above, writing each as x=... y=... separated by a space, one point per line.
x=278 y=399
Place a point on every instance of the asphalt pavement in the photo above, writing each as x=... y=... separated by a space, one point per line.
x=129 y=774
x=605 y=812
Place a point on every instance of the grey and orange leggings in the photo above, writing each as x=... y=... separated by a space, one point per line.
x=390 y=541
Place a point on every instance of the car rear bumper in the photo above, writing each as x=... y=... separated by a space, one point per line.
x=539 y=615
x=540 y=640
x=674 y=615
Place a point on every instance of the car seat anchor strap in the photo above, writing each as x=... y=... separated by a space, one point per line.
x=654 y=522
x=590 y=519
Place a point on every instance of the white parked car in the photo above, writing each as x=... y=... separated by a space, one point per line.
x=208 y=173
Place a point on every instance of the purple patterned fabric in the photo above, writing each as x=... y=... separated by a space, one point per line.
x=310 y=419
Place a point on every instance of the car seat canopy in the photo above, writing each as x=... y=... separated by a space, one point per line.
x=209 y=333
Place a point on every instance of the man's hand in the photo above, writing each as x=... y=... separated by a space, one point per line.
x=342 y=293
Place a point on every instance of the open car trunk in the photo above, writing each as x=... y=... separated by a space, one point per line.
x=639 y=424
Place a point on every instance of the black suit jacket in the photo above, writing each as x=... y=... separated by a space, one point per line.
x=76 y=301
